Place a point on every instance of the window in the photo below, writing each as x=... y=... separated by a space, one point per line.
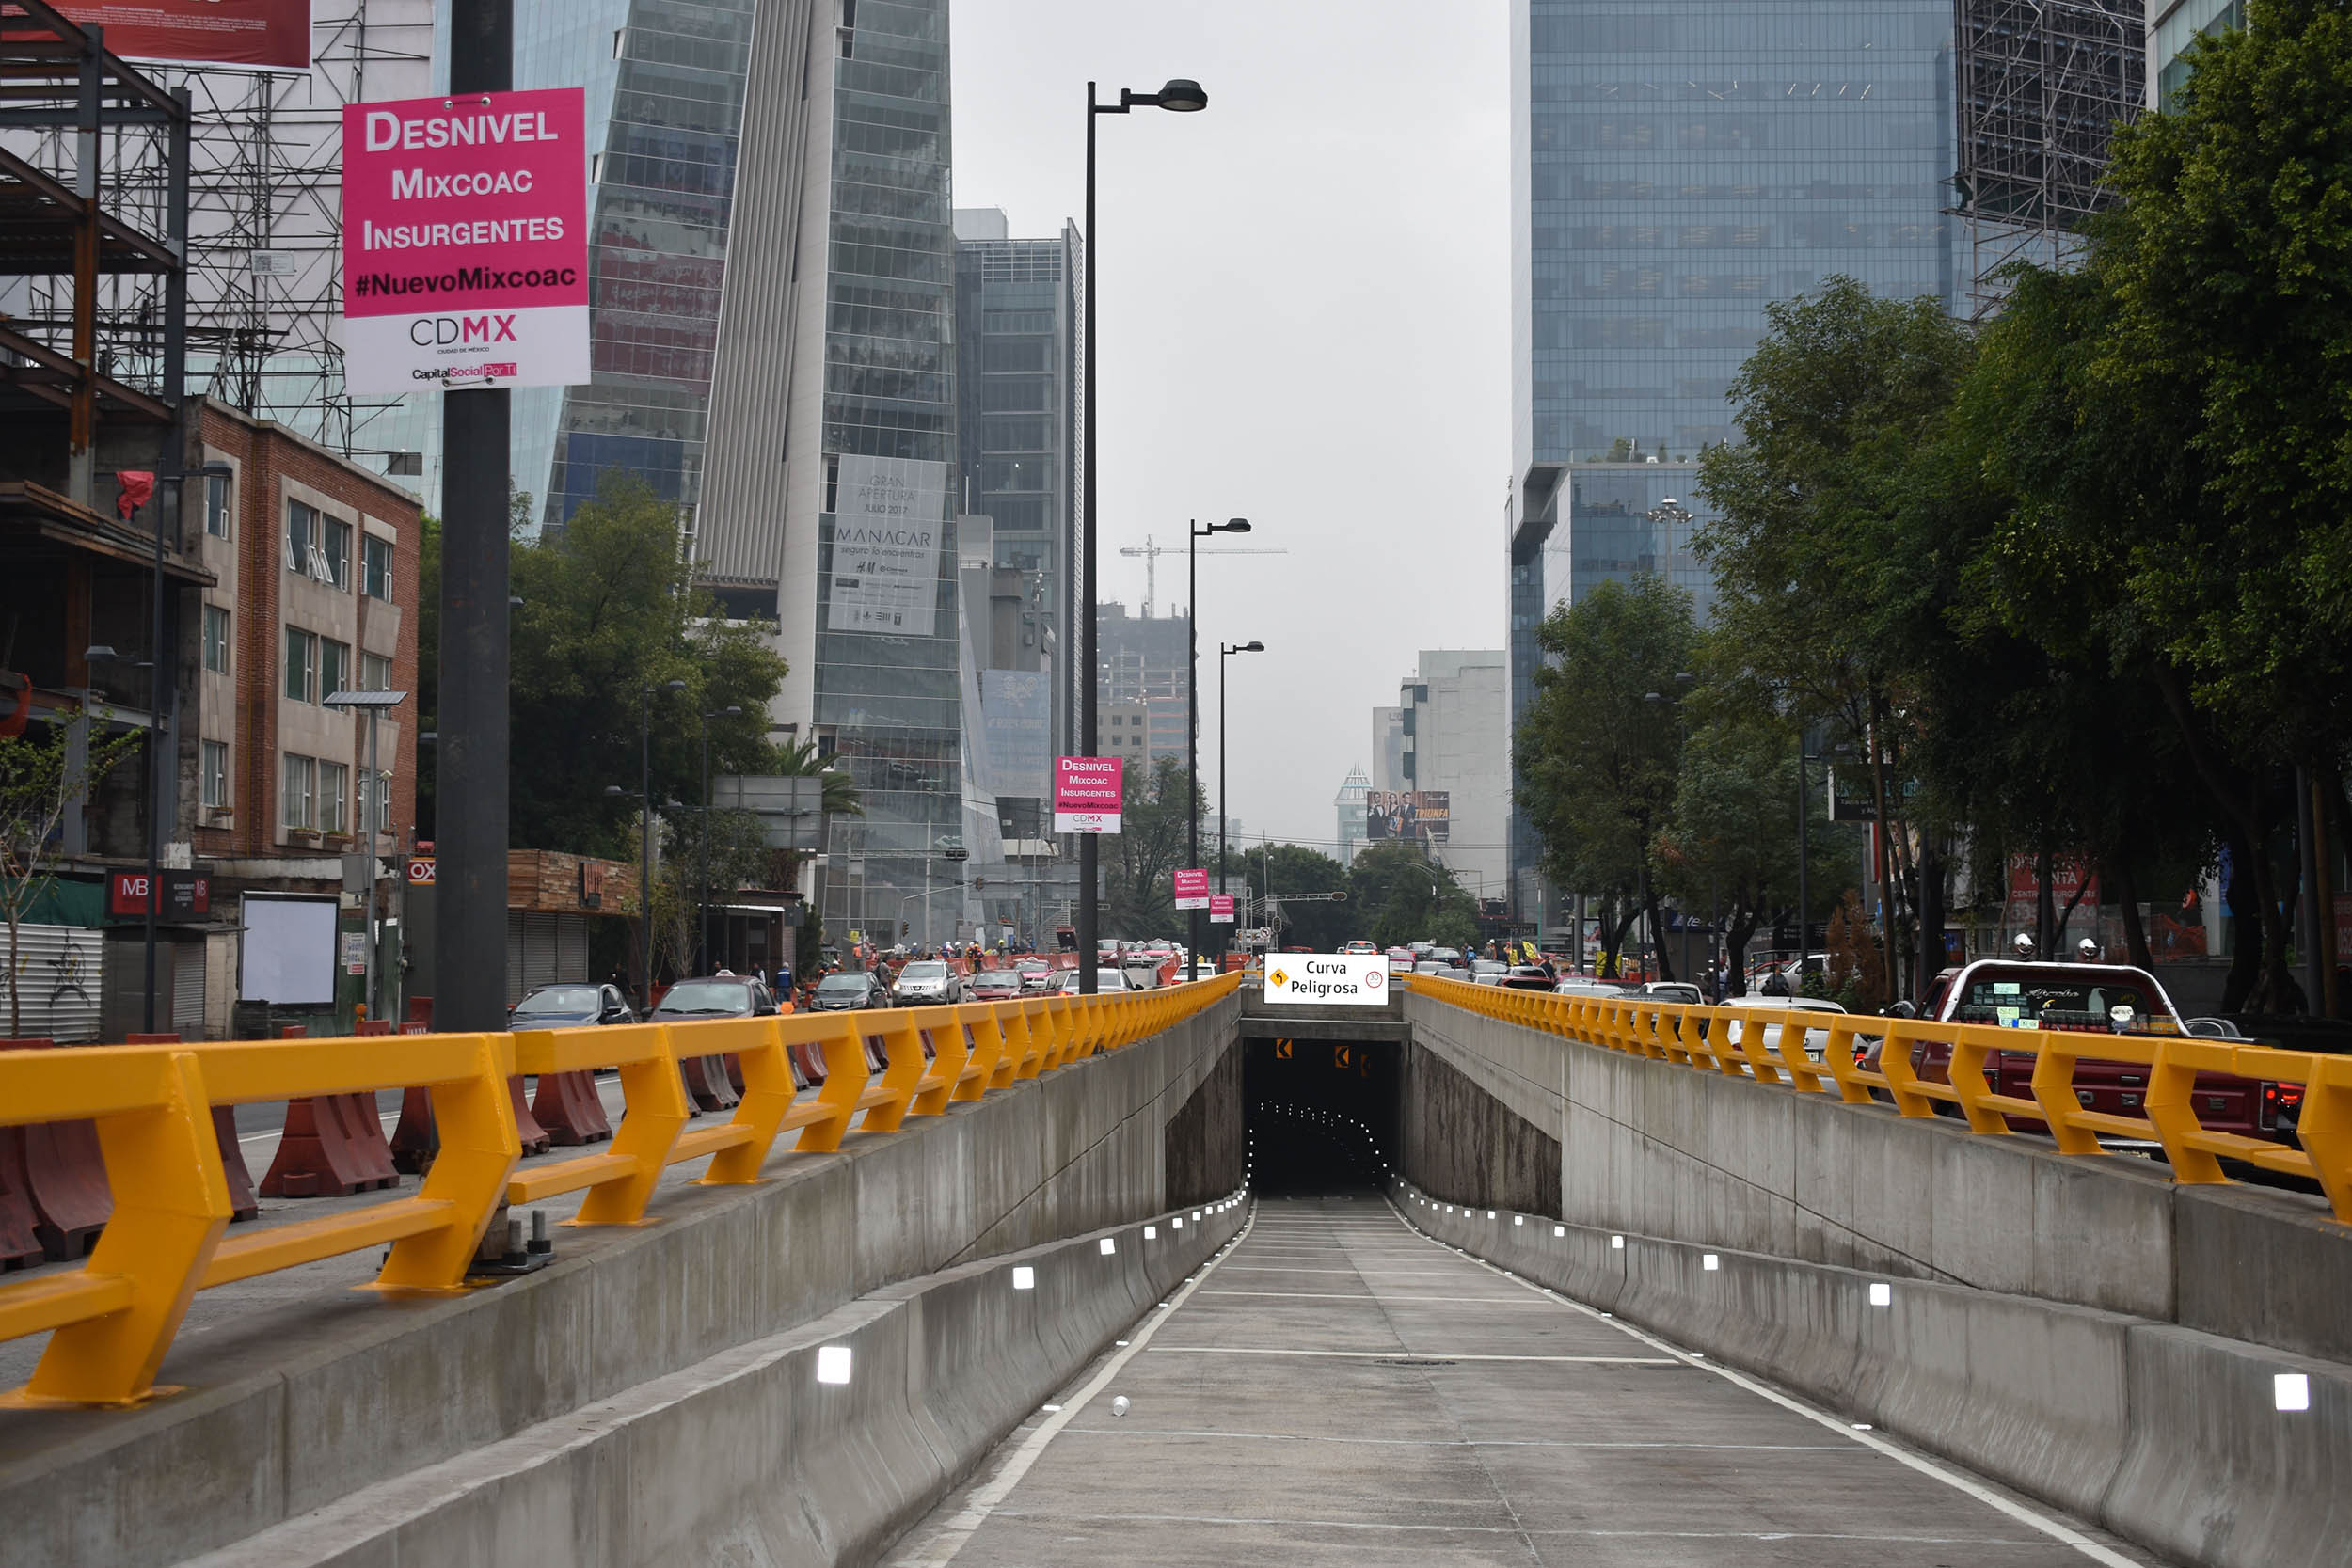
x=375 y=673
x=216 y=505
x=302 y=535
x=216 y=640
x=334 y=668
x=297 y=793
x=337 y=549
x=302 y=666
x=212 y=774
x=383 y=803
x=334 y=798
x=376 y=568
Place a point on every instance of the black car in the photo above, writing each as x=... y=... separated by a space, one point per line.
x=715 y=996
x=569 y=1004
x=849 y=989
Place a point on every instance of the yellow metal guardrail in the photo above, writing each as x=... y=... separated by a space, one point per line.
x=1767 y=1046
x=111 y=1321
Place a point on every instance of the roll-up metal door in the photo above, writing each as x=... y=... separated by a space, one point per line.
x=187 y=989
x=571 y=947
x=538 y=950
x=514 y=986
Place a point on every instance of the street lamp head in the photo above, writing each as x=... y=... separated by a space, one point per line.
x=1235 y=525
x=100 y=653
x=616 y=792
x=1183 y=97
x=672 y=685
x=1252 y=648
x=1652 y=697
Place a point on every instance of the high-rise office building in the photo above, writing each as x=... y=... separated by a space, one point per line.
x=1144 y=667
x=1446 y=747
x=772 y=282
x=1677 y=166
x=1349 y=804
x=2172 y=27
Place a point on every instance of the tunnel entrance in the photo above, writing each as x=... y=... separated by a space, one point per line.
x=1323 y=1115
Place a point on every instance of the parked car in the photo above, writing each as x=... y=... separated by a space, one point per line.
x=1363 y=949
x=1527 y=977
x=715 y=996
x=1434 y=966
x=1402 y=959
x=1105 y=981
x=1036 y=975
x=926 y=983
x=1586 y=985
x=847 y=989
x=1816 y=1040
x=570 y=1005
x=994 y=985
x=1674 y=991
x=1488 y=972
x=2091 y=998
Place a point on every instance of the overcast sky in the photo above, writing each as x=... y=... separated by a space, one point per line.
x=1304 y=321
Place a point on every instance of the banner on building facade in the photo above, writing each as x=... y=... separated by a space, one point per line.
x=466 y=242
x=267 y=35
x=1419 y=815
x=1088 y=793
x=886 y=534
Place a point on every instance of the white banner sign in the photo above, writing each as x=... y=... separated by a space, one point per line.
x=1326 y=979
x=886 y=535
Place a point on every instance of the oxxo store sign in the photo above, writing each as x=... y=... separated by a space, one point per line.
x=466 y=242
x=1327 y=980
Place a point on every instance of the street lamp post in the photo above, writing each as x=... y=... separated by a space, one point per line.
x=644 y=848
x=702 y=906
x=1224 y=806
x=1192 y=709
x=1666 y=516
x=1184 y=98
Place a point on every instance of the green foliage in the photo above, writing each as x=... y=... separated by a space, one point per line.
x=610 y=611
x=1404 y=897
x=40 y=781
x=1150 y=846
x=1295 y=868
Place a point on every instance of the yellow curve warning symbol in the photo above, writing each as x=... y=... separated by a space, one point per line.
x=1277 y=979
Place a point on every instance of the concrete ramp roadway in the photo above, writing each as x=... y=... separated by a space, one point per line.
x=1340 y=1389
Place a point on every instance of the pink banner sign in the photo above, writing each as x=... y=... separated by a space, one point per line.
x=1192 y=890
x=466 y=242
x=1087 y=794
x=1220 y=909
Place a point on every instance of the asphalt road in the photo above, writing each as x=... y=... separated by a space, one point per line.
x=1340 y=1389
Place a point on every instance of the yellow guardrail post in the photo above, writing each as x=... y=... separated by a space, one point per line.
x=951 y=1052
x=1026 y=1048
x=1969 y=1044
x=1895 y=1066
x=769 y=1091
x=2054 y=1091
x=480 y=1148
x=982 y=1066
x=114 y=1318
x=655 y=1096
x=2325 y=1126
x=902 y=1047
x=843 y=1041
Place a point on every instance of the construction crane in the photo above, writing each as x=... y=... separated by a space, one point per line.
x=1152 y=552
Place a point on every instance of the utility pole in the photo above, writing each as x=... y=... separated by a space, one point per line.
x=471 y=758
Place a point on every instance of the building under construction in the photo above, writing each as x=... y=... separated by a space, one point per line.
x=2042 y=87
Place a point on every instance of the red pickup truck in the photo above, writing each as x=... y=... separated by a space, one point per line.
x=2099 y=999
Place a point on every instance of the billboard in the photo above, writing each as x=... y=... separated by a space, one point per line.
x=1088 y=793
x=1421 y=815
x=886 y=534
x=1220 y=909
x=466 y=242
x=1192 y=890
x=269 y=35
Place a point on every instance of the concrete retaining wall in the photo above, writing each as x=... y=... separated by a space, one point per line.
x=2165 y=1436
x=1665 y=1150
x=302 y=1403
x=745 y=1458
x=1466 y=1145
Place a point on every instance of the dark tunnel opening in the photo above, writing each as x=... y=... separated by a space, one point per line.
x=1323 y=1116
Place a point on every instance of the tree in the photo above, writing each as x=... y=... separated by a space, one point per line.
x=1596 y=757
x=610 y=611
x=1152 y=846
x=40 y=781
x=1405 y=897
x=1284 y=868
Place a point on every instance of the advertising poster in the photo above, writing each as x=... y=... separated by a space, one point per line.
x=1408 y=814
x=1192 y=890
x=267 y=35
x=1220 y=909
x=1088 y=792
x=1326 y=979
x=886 y=534
x=466 y=242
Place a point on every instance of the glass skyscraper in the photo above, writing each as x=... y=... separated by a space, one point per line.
x=1677 y=166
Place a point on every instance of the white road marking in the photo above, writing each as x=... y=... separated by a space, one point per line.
x=955 y=1534
x=2054 y=1530
x=1246 y=1523
x=1123 y=1430
x=1376 y=1301
x=1415 y=1355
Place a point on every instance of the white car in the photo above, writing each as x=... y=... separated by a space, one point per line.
x=926 y=983
x=1105 y=982
x=1816 y=1040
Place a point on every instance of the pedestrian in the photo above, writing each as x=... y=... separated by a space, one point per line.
x=1775 y=984
x=783 y=978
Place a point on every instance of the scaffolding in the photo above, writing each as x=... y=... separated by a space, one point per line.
x=265 y=222
x=2042 y=85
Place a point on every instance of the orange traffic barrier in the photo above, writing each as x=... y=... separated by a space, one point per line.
x=568 y=1106
x=64 y=1177
x=18 y=1246
x=146 y=1107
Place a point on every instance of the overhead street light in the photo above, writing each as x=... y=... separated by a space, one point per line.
x=1224 y=809
x=1195 y=533
x=1181 y=96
